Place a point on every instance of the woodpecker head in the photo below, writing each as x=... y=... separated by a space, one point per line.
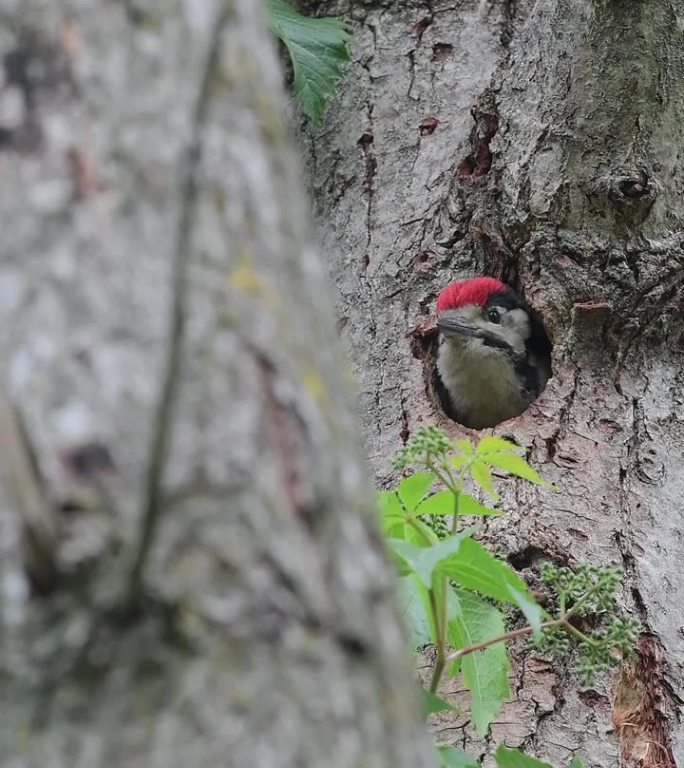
x=494 y=357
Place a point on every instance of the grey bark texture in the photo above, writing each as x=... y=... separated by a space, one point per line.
x=190 y=573
x=540 y=142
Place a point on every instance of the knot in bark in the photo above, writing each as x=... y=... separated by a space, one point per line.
x=630 y=194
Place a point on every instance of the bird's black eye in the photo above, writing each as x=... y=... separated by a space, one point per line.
x=493 y=316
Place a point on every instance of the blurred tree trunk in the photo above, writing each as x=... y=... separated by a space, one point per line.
x=190 y=573
x=540 y=142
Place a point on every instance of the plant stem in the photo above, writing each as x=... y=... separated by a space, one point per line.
x=437 y=671
x=441 y=612
x=522 y=632
x=454 y=522
x=513 y=635
x=579 y=635
x=445 y=482
x=440 y=628
x=412 y=522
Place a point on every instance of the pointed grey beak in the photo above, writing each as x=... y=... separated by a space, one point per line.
x=450 y=327
x=453 y=328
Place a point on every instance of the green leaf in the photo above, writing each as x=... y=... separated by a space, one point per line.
x=395 y=528
x=529 y=607
x=415 y=609
x=474 y=567
x=494 y=444
x=425 y=533
x=318 y=50
x=450 y=757
x=422 y=560
x=467 y=505
x=459 y=461
x=485 y=672
x=389 y=504
x=465 y=446
x=515 y=465
x=483 y=477
x=514 y=758
x=411 y=490
x=577 y=762
x=441 y=503
x=432 y=704
x=395 y=522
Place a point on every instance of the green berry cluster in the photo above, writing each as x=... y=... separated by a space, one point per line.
x=606 y=649
x=552 y=642
x=428 y=441
x=439 y=524
x=589 y=589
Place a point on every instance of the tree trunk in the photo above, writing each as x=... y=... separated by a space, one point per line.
x=539 y=142
x=190 y=571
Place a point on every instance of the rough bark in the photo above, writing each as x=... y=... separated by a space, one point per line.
x=539 y=142
x=190 y=572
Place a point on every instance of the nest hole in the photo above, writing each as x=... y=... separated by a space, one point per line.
x=425 y=343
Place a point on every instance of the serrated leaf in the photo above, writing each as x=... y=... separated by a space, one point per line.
x=472 y=566
x=494 y=444
x=318 y=50
x=467 y=505
x=433 y=703
x=529 y=608
x=450 y=757
x=439 y=504
x=514 y=758
x=396 y=523
x=389 y=504
x=415 y=609
x=483 y=477
x=485 y=672
x=442 y=504
x=515 y=465
x=411 y=490
x=423 y=560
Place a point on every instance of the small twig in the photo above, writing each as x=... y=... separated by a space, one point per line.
x=440 y=626
x=513 y=635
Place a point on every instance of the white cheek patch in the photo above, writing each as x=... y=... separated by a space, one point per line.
x=516 y=329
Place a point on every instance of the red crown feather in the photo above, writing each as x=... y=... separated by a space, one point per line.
x=474 y=291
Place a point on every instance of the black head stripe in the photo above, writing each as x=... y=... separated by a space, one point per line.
x=538 y=342
x=505 y=299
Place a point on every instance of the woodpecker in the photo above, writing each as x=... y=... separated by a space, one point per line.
x=494 y=355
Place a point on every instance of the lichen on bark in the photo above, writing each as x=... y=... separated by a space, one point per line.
x=169 y=346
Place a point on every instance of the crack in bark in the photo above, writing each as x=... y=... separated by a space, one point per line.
x=365 y=142
x=153 y=498
x=508 y=24
x=486 y=117
x=563 y=418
